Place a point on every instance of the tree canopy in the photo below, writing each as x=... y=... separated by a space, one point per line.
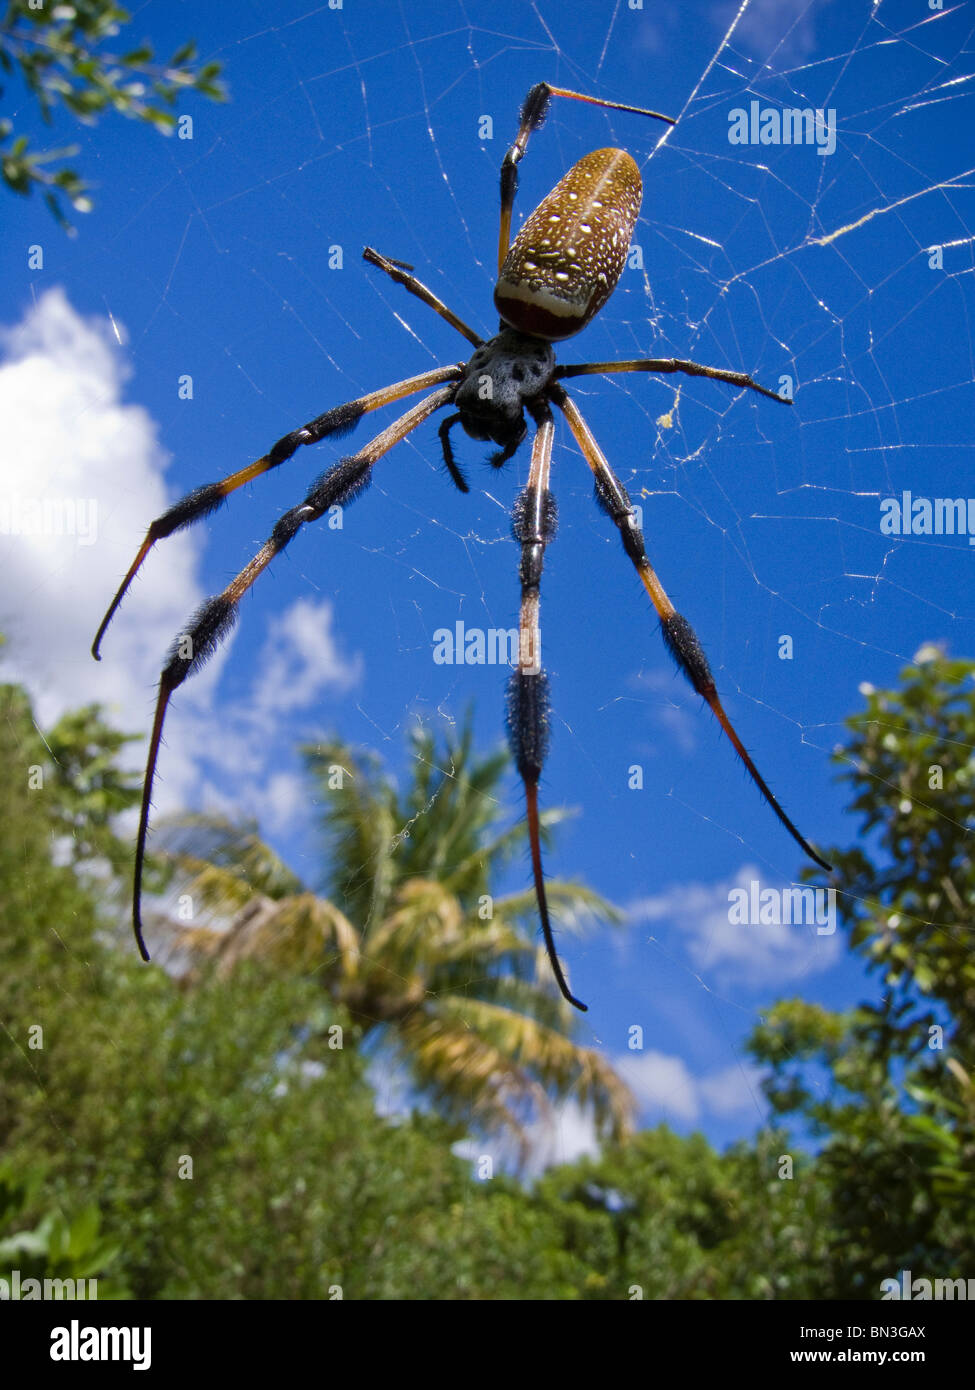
x=59 y=53
x=214 y=1133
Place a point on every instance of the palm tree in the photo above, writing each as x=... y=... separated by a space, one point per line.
x=407 y=937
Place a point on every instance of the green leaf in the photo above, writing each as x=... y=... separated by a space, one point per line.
x=184 y=54
x=164 y=121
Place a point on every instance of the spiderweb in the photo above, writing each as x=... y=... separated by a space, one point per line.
x=233 y=259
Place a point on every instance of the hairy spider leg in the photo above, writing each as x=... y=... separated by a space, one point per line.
x=338 y=421
x=533 y=522
x=341 y=484
x=398 y=271
x=681 y=640
x=534 y=109
x=668 y=364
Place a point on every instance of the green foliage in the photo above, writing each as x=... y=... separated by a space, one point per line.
x=214 y=1134
x=662 y=1217
x=58 y=52
x=91 y=791
x=227 y=1146
x=912 y=771
x=64 y=789
x=888 y=1086
x=444 y=975
x=446 y=826
x=61 y=1249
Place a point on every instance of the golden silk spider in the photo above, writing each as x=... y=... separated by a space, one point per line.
x=556 y=276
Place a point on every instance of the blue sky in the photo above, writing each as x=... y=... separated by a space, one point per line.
x=210 y=257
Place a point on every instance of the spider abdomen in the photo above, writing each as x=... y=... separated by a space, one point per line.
x=569 y=255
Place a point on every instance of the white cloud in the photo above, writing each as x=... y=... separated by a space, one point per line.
x=89 y=468
x=679 y=717
x=92 y=469
x=301 y=659
x=755 y=956
x=567 y=1134
x=665 y=1086
x=662 y=1084
x=783 y=32
x=734 y=1090
x=286 y=795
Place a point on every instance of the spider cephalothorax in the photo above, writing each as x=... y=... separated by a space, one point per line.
x=561 y=269
x=500 y=379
